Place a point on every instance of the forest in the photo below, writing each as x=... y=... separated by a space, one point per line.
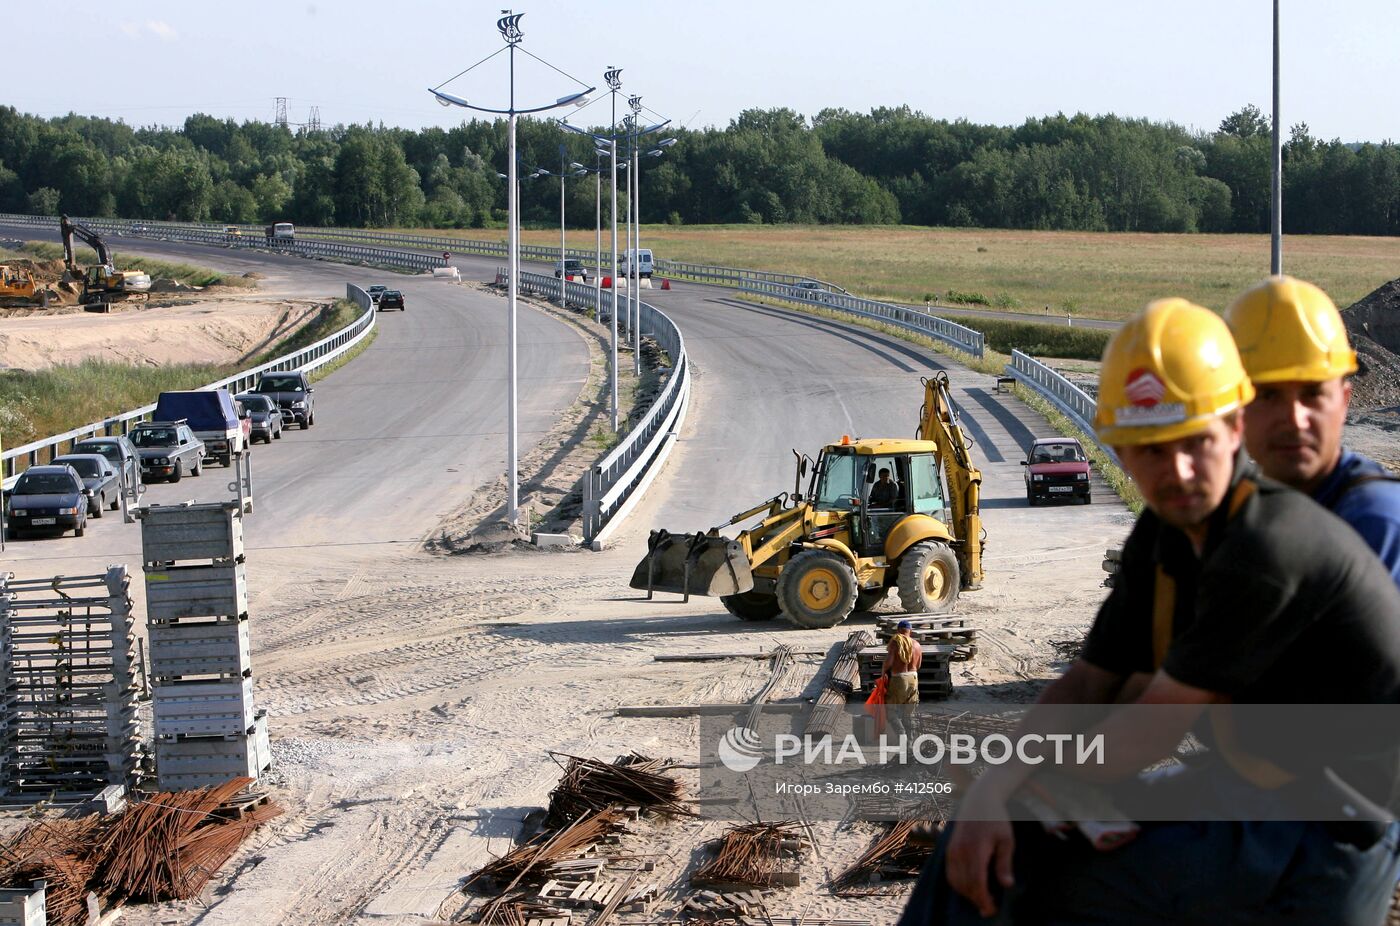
x=886 y=167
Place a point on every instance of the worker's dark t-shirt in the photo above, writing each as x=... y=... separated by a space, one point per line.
x=1287 y=605
x=884 y=494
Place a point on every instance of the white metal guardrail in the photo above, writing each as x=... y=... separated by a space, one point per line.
x=1060 y=392
x=950 y=333
x=315 y=249
x=615 y=483
x=307 y=359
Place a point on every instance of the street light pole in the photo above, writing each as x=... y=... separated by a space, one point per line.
x=634 y=190
x=1276 y=208
x=613 y=76
x=509 y=26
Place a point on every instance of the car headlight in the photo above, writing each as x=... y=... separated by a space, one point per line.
x=298 y=405
x=162 y=461
x=20 y=512
x=1082 y=477
x=1038 y=477
x=67 y=511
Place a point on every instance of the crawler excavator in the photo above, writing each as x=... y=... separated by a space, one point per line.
x=101 y=283
x=817 y=556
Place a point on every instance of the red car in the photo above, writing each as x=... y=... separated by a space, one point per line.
x=1056 y=467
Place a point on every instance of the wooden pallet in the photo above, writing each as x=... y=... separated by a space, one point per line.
x=933 y=630
x=589 y=894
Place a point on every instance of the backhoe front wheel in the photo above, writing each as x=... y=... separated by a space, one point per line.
x=817 y=589
x=929 y=578
x=752 y=606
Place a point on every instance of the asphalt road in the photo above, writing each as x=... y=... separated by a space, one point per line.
x=403 y=433
x=770 y=380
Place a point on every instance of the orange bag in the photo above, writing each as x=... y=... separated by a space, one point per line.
x=875 y=704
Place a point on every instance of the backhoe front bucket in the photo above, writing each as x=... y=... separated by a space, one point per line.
x=693 y=564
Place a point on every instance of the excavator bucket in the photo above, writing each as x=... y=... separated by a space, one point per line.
x=693 y=564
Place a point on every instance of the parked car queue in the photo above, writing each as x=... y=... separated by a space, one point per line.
x=90 y=480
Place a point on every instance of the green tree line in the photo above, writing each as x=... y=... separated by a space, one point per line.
x=891 y=165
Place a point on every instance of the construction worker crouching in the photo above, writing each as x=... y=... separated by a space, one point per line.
x=1233 y=590
x=1295 y=350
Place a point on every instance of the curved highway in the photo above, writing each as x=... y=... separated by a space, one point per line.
x=403 y=433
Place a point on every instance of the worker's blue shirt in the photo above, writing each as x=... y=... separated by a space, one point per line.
x=1371 y=507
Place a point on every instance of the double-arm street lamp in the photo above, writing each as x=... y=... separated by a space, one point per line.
x=607 y=145
x=634 y=196
x=509 y=26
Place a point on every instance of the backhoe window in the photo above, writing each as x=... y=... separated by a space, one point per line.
x=837 y=485
x=928 y=493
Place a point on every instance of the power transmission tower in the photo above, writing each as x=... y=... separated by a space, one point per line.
x=313 y=121
x=281 y=111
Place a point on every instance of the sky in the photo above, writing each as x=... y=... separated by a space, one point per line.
x=1191 y=62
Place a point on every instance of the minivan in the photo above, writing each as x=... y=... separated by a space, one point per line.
x=643 y=262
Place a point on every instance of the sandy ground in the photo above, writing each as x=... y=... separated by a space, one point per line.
x=223 y=328
x=414 y=699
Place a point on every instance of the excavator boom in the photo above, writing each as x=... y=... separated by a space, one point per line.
x=69 y=229
x=938 y=422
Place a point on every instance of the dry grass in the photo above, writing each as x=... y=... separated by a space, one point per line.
x=1103 y=275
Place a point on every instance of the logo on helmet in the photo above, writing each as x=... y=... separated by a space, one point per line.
x=1144 y=389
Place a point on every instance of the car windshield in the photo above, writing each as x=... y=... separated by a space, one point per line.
x=88 y=469
x=45 y=484
x=110 y=451
x=154 y=437
x=1057 y=453
x=377 y=289
x=393 y=294
x=256 y=403
x=281 y=383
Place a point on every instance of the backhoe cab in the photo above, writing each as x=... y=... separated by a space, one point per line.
x=817 y=556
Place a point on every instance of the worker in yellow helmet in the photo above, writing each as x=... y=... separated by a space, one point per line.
x=1229 y=590
x=1295 y=350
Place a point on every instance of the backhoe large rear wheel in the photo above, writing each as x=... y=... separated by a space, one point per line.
x=817 y=589
x=929 y=578
x=752 y=606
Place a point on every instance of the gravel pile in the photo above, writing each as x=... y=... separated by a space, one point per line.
x=1374 y=326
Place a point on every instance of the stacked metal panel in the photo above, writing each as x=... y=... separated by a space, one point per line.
x=207 y=729
x=68 y=688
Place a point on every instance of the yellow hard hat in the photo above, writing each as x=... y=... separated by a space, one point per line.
x=1288 y=330
x=1166 y=374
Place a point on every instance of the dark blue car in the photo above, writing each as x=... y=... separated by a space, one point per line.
x=48 y=498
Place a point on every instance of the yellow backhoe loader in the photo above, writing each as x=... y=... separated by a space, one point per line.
x=102 y=283
x=816 y=557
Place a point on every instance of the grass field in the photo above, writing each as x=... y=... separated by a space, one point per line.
x=1101 y=275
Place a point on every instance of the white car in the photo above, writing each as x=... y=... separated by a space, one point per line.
x=808 y=289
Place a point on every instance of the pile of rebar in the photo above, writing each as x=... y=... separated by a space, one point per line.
x=165 y=847
x=840 y=682
x=845 y=672
x=530 y=859
x=169 y=846
x=588 y=786
x=752 y=854
x=893 y=855
x=57 y=851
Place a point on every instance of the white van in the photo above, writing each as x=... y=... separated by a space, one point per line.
x=643 y=262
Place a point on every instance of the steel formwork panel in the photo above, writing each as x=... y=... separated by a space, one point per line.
x=203 y=708
x=196 y=591
x=174 y=533
x=68 y=691
x=220 y=648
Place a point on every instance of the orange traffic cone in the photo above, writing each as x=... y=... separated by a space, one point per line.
x=665 y=284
